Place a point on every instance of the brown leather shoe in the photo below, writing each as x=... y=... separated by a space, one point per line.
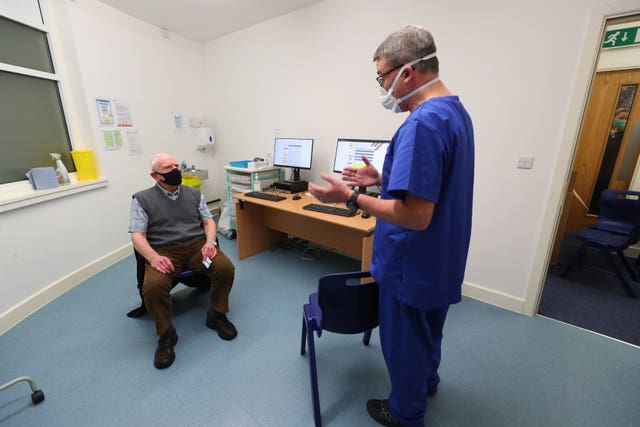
x=219 y=322
x=165 y=355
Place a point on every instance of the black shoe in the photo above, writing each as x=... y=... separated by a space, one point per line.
x=379 y=411
x=219 y=322
x=165 y=355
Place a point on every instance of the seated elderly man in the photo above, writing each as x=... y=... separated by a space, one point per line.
x=173 y=230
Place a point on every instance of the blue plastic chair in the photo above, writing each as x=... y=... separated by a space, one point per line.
x=188 y=277
x=343 y=305
x=617 y=228
x=618 y=211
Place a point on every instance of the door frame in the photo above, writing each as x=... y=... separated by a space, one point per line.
x=594 y=139
x=590 y=50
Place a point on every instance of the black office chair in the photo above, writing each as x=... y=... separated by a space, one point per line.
x=188 y=277
x=343 y=304
x=37 y=395
x=617 y=228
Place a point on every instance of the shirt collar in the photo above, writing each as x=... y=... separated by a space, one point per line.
x=169 y=194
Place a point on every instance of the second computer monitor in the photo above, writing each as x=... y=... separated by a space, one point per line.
x=293 y=153
x=349 y=152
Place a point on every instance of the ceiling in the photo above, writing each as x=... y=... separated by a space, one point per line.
x=205 y=20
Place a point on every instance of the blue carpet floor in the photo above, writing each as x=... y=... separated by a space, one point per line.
x=95 y=365
x=591 y=296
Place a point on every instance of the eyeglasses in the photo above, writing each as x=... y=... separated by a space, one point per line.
x=380 y=78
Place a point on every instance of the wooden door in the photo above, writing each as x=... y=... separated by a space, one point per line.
x=592 y=144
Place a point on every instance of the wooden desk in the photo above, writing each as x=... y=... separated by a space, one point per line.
x=262 y=223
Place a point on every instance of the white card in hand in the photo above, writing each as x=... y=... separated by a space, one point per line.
x=206 y=262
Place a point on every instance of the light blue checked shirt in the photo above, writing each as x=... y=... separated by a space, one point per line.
x=138 y=218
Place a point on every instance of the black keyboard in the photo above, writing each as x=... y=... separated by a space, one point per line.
x=329 y=209
x=264 y=196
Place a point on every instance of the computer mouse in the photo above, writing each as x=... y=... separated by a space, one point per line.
x=366 y=215
x=296 y=197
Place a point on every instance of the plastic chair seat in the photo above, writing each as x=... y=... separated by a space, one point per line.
x=614 y=227
x=614 y=241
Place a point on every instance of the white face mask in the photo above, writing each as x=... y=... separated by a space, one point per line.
x=392 y=103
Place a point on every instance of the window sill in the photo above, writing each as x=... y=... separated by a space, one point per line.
x=20 y=194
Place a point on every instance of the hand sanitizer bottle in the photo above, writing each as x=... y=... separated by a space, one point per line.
x=61 y=171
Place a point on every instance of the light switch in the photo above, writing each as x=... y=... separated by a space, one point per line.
x=525 y=162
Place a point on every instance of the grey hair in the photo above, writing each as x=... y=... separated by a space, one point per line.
x=407 y=44
x=156 y=158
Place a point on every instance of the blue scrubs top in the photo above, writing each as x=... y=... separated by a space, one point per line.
x=431 y=156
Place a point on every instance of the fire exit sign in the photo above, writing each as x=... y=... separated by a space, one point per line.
x=621 y=37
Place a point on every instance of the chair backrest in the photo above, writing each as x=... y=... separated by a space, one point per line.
x=619 y=211
x=348 y=306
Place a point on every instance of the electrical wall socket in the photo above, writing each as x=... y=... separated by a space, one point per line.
x=525 y=162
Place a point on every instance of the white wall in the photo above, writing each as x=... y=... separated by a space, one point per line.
x=310 y=73
x=49 y=247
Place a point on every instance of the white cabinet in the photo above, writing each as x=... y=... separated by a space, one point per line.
x=241 y=180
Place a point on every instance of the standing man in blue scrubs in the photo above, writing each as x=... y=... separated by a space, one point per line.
x=423 y=219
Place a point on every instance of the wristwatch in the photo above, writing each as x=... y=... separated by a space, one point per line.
x=213 y=242
x=352 y=203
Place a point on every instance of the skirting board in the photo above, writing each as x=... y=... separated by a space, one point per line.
x=21 y=311
x=508 y=302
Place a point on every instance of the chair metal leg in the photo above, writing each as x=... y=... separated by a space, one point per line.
x=576 y=260
x=625 y=284
x=304 y=336
x=313 y=374
x=366 y=338
x=37 y=395
x=626 y=264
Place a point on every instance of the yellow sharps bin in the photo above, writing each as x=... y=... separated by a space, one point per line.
x=192 y=181
x=85 y=164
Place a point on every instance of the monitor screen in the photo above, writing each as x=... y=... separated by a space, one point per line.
x=293 y=153
x=349 y=152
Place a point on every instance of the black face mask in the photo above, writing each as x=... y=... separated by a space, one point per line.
x=172 y=178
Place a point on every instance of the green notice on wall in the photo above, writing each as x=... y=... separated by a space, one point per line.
x=621 y=37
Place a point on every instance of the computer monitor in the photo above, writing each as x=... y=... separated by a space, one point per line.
x=349 y=152
x=293 y=153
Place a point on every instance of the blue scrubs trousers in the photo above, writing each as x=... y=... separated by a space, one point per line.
x=411 y=344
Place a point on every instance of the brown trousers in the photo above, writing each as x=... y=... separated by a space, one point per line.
x=157 y=286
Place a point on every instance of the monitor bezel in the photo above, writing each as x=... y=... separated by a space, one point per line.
x=275 y=142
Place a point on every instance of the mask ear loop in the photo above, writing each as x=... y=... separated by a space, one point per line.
x=408 y=64
x=413 y=92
